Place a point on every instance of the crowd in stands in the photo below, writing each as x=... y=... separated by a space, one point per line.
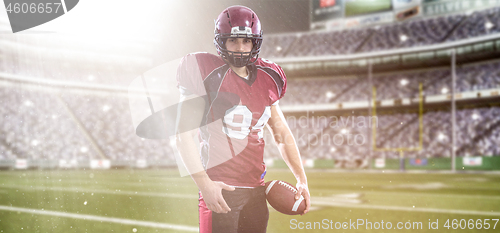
x=42 y=122
x=36 y=126
x=47 y=124
x=411 y=33
x=107 y=119
x=392 y=85
x=478 y=129
x=50 y=123
x=337 y=137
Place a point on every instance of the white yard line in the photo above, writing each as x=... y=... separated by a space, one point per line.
x=337 y=192
x=101 y=219
x=316 y=201
x=438 y=195
x=322 y=202
x=115 y=192
x=141 y=183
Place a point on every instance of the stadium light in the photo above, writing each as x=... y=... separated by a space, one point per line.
x=404 y=82
x=441 y=137
x=34 y=142
x=403 y=38
x=488 y=25
x=330 y=94
x=106 y=108
x=84 y=149
x=28 y=103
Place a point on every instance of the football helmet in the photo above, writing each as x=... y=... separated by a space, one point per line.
x=240 y=22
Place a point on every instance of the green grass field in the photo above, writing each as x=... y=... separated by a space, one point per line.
x=161 y=201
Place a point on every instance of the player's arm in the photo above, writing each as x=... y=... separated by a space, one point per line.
x=289 y=151
x=190 y=114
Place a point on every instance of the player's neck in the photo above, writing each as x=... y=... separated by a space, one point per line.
x=240 y=71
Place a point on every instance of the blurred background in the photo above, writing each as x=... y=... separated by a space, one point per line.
x=373 y=85
x=70 y=76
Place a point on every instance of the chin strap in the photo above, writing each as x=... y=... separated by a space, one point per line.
x=226 y=59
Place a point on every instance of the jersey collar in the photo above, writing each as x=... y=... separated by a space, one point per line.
x=252 y=76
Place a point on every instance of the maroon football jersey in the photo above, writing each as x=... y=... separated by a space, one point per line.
x=238 y=108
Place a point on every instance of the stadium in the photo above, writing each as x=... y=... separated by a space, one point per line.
x=394 y=104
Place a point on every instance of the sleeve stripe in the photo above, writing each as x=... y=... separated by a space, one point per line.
x=275 y=76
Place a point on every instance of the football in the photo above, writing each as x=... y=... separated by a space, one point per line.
x=281 y=196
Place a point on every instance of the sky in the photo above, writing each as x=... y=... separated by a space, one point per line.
x=176 y=27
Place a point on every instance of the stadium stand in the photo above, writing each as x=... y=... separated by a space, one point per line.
x=107 y=119
x=46 y=122
x=477 y=134
x=478 y=24
x=411 y=33
x=392 y=85
x=37 y=125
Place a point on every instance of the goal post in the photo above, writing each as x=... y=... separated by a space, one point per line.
x=401 y=150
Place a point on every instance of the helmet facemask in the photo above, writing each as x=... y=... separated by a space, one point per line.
x=238 y=59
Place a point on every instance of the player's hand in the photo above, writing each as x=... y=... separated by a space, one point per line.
x=212 y=195
x=303 y=190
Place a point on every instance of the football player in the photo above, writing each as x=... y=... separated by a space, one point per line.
x=228 y=99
